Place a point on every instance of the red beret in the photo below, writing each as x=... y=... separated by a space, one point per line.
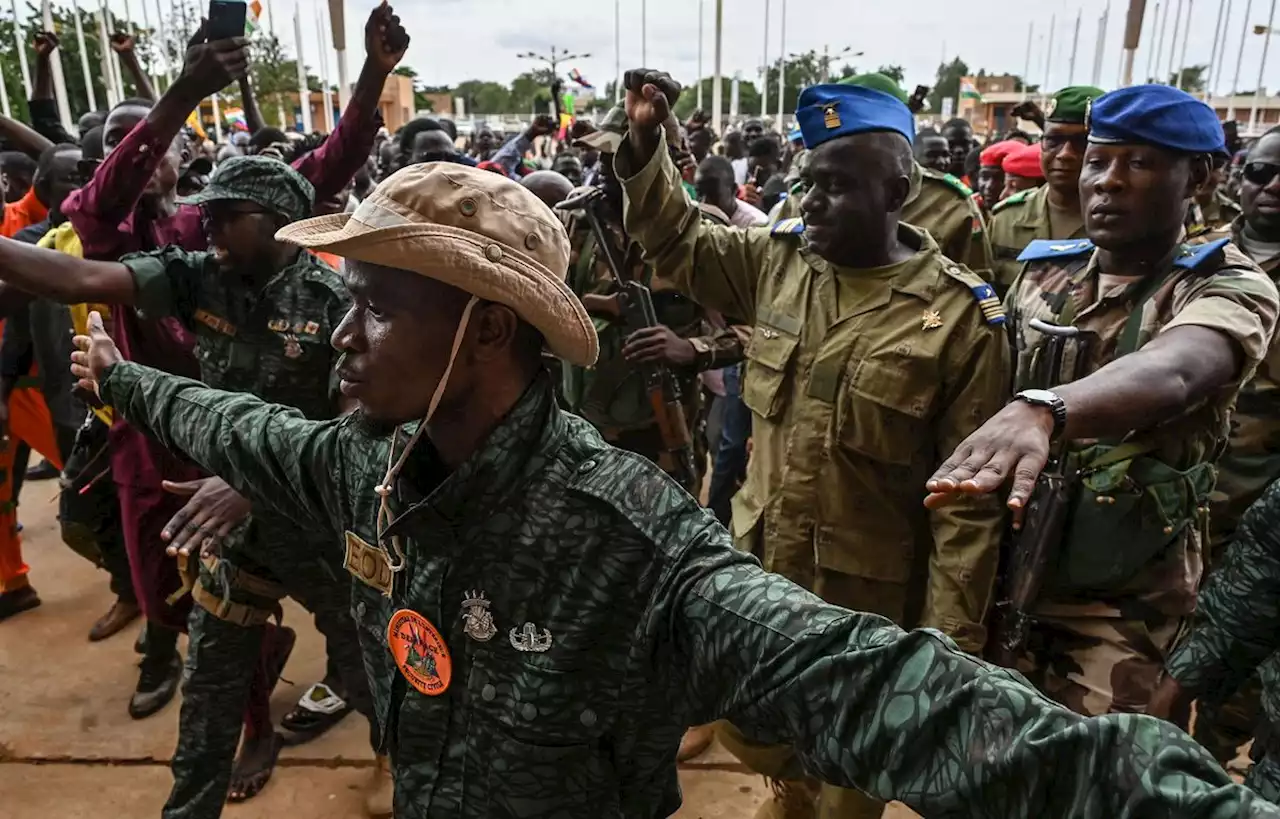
x=993 y=155
x=1024 y=160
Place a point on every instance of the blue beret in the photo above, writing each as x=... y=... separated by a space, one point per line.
x=1158 y=115
x=826 y=112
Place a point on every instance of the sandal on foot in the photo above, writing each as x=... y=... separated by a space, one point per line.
x=319 y=710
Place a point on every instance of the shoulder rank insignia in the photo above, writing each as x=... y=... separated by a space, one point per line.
x=1017 y=199
x=957 y=183
x=992 y=309
x=1192 y=256
x=1054 y=248
x=787 y=227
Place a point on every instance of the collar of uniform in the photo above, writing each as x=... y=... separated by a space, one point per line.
x=1035 y=209
x=911 y=276
x=516 y=447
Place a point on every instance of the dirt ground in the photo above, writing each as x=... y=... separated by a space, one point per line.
x=68 y=749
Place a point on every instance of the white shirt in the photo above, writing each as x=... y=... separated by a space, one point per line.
x=739 y=170
x=747 y=215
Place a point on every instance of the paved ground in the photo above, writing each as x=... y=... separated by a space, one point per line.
x=68 y=749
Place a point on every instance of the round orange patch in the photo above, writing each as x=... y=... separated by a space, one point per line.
x=420 y=652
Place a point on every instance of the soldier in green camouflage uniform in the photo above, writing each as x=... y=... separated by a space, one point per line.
x=1169 y=334
x=1051 y=211
x=1212 y=210
x=857 y=381
x=939 y=203
x=1236 y=638
x=262 y=313
x=580 y=607
x=1225 y=720
x=611 y=394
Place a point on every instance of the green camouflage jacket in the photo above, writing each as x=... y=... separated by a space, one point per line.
x=1236 y=627
x=591 y=610
x=273 y=343
x=1015 y=223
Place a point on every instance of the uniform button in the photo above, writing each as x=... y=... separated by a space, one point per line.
x=488 y=693
x=493 y=253
x=468 y=207
x=588 y=717
x=360 y=610
x=531 y=241
x=529 y=711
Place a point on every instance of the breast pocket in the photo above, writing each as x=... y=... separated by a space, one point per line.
x=769 y=355
x=296 y=361
x=887 y=408
x=545 y=744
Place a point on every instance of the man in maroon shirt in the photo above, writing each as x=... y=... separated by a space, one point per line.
x=130 y=205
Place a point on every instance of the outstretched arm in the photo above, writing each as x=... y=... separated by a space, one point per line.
x=270 y=454
x=252 y=114
x=64 y=278
x=122 y=44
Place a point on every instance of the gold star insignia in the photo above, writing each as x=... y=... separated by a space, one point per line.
x=931 y=319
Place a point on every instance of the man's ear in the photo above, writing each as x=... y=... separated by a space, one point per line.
x=1198 y=178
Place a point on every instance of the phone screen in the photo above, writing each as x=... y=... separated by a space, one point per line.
x=226 y=19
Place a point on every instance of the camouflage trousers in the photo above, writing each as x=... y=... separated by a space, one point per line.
x=781 y=762
x=1264 y=777
x=1099 y=665
x=1223 y=725
x=223 y=659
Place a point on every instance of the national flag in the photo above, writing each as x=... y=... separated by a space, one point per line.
x=235 y=116
x=251 y=18
x=577 y=77
x=193 y=122
x=969 y=91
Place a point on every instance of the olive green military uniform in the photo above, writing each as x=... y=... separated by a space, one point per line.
x=1015 y=223
x=1225 y=720
x=940 y=204
x=1215 y=217
x=858 y=383
x=1133 y=555
x=612 y=394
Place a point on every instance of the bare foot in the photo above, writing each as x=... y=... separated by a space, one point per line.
x=254 y=765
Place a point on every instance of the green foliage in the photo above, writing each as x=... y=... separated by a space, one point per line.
x=1193 y=78
x=947 y=84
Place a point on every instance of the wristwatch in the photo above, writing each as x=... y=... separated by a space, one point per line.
x=1050 y=401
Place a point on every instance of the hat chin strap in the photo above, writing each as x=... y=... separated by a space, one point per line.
x=394 y=464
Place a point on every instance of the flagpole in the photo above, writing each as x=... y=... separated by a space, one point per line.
x=107 y=84
x=111 y=59
x=1235 y=83
x=164 y=41
x=1048 y=56
x=717 y=93
x=151 y=63
x=1075 y=44
x=304 y=93
x=701 y=4
x=338 y=29
x=1262 y=67
x=1219 y=43
x=1173 y=43
x=21 y=48
x=764 y=86
x=217 y=118
x=1164 y=27
x=324 y=77
x=84 y=57
x=1151 y=55
x=1186 y=35
x=59 y=82
x=1101 y=46
x=782 y=72
x=1026 y=71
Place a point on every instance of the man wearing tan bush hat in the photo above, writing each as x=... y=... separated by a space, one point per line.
x=542 y=614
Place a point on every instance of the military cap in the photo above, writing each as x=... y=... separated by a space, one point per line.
x=607 y=137
x=993 y=155
x=1023 y=160
x=471 y=229
x=1071 y=103
x=262 y=180
x=879 y=82
x=1156 y=115
x=826 y=112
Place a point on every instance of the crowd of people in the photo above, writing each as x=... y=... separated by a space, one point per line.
x=582 y=448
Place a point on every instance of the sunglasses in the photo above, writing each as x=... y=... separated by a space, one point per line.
x=1261 y=173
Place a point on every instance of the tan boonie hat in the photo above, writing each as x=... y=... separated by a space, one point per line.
x=472 y=229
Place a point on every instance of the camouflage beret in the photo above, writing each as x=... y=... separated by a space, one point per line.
x=262 y=180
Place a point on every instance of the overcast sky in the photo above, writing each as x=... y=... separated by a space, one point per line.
x=455 y=40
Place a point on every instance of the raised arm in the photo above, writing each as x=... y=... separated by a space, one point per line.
x=62 y=277
x=252 y=114
x=331 y=166
x=122 y=44
x=22 y=137
x=908 y=716
x=514 y=149
x=45 y=119
x=715 y=266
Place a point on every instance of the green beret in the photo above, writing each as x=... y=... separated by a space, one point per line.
x=880 y=82
x=1069 y=104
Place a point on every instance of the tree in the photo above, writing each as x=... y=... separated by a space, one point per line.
x=947 y=84
x=1193 y=79
x=406 y=71
x=531 y=91
x=803 y=70
x=484 y=97
x=893 y=72
x=748 y=98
